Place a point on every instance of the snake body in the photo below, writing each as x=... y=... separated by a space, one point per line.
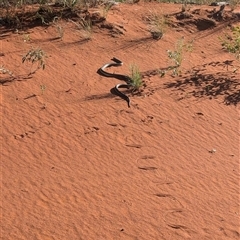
x=116 y=63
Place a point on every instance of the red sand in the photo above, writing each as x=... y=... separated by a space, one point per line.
x=78 y=164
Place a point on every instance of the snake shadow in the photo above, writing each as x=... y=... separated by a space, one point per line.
x=98 y=96
x=111 y=94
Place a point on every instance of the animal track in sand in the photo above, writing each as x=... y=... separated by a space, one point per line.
x=89 y=130
x=144 y=161
x=178 y=219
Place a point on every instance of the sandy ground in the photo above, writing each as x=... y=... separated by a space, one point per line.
x=77 y=163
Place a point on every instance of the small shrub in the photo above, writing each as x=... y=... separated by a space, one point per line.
x=177 y=56
x=35 y=56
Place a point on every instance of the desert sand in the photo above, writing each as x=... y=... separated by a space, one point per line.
x=77 y=163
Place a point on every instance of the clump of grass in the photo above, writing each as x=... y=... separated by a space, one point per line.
x=86 y=24
x=136 y=77
x=35 y=56
x=157 y=24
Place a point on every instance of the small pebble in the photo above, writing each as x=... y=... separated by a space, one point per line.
x=213 y=150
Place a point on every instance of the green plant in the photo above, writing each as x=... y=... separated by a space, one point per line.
x=177 y=55
x=136 y=78
x=35 y=56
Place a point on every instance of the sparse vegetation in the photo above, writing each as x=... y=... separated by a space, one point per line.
x=35 y=56
x=231 y=42
x=177 y=56
x=136 y=77
x=157 y=24
x=85 y=26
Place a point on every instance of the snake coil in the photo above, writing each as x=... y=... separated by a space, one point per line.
x=116 y=63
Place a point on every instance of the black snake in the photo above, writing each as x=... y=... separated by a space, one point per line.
x=116 y=63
